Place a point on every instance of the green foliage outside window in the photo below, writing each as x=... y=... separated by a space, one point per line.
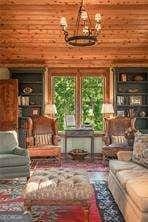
x=64 y=97
x=92 y=99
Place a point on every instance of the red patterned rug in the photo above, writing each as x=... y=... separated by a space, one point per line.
x=95 y=166
x=12 y=201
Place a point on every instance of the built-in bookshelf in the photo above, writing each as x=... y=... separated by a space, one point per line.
x=131 y=94
x=30 y=97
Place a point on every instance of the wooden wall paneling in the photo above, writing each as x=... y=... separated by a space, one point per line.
x=66 y=2
x=30 y=34
x=111 y=84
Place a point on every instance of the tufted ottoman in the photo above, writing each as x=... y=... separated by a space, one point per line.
x=59 y=187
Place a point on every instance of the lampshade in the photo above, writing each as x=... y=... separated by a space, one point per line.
x=107 y=108
x=50 y=109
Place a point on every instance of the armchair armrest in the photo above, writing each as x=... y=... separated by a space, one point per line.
x=124 y=155
x=106 y=140
x=20 y=151
x=56 y=139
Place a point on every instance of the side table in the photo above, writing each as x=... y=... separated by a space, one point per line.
x=80 y=133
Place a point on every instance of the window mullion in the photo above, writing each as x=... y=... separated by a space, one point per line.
x=78 y=101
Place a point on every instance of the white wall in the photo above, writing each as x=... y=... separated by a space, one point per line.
x=4 y=73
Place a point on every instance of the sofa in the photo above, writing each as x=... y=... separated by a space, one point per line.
x=14 y=160
x=128 y=180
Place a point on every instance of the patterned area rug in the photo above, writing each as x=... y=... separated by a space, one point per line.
x=12 y=201
x=95 y=166
x=105 y=202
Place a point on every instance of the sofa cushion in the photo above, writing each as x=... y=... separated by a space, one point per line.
x=138 y=191
x=140 y=150
x=126 y=175
x=8 y=160
x=116 y=165
x=14 y=171
x=8 y=141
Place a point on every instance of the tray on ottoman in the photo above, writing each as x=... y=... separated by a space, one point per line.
x=59 y=187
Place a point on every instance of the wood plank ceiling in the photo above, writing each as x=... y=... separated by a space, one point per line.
x=30 y=34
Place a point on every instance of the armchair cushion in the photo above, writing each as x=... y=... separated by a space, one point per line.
x=124 y=155
x=8 y=141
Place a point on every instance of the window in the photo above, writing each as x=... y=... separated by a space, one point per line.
x=81 y=96
x=64 y=97
x=92 y=99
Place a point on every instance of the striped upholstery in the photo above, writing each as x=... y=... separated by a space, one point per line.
x=43 y=139
x=119 y=140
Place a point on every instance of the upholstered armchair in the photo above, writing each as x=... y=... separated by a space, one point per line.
x=14 y=160
x=42 y=137
x=115 y=138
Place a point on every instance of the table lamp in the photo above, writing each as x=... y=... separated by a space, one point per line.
x=50 y=109
x=107 y=109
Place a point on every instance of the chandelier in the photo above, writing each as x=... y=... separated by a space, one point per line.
x=84 y=33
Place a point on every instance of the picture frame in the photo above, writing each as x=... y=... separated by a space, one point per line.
x=120 y=112
x=70 y=121
x=135 y=100
x=34 y=111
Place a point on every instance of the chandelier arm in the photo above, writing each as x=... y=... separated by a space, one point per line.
x=78 y=19
x=66 y=36
x=90 y=29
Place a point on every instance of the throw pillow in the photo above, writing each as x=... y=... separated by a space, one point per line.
x=43 y=139
x=119 y=140
x=140 y=150
x=8 y=141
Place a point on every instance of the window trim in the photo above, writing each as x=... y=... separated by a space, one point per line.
x=79 y=74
